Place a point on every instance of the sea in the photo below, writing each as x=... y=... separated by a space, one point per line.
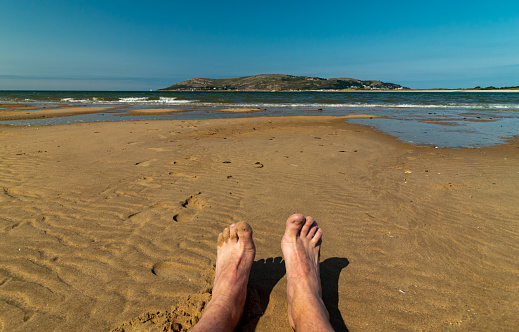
x=439 y=119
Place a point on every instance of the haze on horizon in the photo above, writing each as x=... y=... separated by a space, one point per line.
x=130 y=45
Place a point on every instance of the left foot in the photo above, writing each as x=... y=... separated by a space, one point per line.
x=234 y=257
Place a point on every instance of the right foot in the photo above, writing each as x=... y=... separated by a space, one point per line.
x=301 y=246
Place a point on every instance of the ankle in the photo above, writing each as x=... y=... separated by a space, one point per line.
x=309 y=314
x=305 y=291
x=225 y=311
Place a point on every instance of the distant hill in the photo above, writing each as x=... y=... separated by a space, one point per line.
x=280 y=82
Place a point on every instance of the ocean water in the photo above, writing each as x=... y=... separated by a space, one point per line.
x=443 y=119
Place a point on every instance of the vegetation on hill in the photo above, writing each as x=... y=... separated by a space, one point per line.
x=494 y=88
x=280 y=82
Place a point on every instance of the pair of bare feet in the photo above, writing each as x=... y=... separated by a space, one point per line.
x=235 y=254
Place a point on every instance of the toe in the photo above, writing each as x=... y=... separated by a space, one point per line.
x=220 y=239
x=225 y=234
x=243 y=230
x=294 y=224
x=309 y=223
x=232 y=232
x=313 y=229
x=316 y=238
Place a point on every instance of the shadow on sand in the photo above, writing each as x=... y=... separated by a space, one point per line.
x=330 y=272
x=266 y=273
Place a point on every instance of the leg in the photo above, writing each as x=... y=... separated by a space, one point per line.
x=234 y=257
x=301 y=245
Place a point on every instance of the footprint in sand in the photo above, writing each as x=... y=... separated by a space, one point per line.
x=180 y=271
x=185 y=265
x=158 y=213
x=190 y=208
x=165 y=212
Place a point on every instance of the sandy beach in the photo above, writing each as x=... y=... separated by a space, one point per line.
x=113 y=226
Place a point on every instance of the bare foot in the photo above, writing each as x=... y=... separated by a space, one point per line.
x=301 y=246
x=234 y=257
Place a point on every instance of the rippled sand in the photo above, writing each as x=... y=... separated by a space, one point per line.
x=113 y=225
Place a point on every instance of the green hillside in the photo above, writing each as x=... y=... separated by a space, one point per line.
x=280 y=82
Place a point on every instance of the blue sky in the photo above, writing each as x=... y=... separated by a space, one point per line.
x=142 y=45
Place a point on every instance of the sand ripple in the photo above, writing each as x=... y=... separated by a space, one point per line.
x=113 y=225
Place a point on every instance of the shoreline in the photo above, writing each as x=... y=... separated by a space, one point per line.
x=41 y=113
x=485 y=130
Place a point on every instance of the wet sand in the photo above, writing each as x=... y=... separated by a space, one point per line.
x=154 y=111
x=240 y=110
x=23 y=113
x=114 y=225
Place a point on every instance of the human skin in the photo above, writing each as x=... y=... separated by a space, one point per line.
x=301 y=246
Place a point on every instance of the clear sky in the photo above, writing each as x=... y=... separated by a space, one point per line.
x=142 y=45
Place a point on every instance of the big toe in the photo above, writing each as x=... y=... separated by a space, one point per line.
x=294 y=224
x=244 y=232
